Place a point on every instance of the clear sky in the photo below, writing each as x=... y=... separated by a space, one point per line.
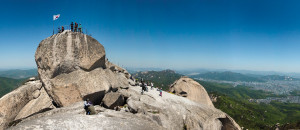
x=221 y=34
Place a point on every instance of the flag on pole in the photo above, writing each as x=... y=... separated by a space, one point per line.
x=56 y=16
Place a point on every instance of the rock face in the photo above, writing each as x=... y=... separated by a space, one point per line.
x=113 y=99
x=22 y=102
x=72 y=66
x=68 y=51
x=187 y=87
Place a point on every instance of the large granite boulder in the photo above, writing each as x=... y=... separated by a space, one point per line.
x=68 y=51
x=187 y=87
x=26 y=100
x=72 y=66
x=113 y=99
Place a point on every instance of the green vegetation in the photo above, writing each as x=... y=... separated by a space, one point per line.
x=240 y=92
x=295 y=93
x=228 y=76
x=234 y=101
x=161 y=79
x=9 y=84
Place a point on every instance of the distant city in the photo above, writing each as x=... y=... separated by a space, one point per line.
x=278 y=87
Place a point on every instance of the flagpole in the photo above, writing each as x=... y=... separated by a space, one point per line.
x=53 y=27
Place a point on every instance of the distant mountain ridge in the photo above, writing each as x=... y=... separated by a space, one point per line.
x=18 y=73
x=234 y=77
x=227 y=76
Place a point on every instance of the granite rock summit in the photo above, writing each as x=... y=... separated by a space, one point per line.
x=73 y=66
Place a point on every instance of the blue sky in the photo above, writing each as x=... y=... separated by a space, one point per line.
x=216 y=34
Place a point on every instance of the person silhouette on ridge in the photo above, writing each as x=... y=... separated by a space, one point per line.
x=72 y=26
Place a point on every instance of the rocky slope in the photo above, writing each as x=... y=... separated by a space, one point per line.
x=72 y=67
x=149 y=111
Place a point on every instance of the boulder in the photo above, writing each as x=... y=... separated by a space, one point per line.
x=113 y=99
x=68 y=51
x=82 y=85
x=187 y=87
x=22 y=102
x=37 y=104
x=72 y=66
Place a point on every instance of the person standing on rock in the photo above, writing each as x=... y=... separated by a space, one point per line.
x=76 y=25
x=72 y=26
x=160 y=92
x=143 y=87
x=79 y=28
x=151 y=85
x=62 y=29
x=146 y=86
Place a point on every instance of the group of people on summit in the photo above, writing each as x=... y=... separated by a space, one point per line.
x=145 y=85
x=74 y=28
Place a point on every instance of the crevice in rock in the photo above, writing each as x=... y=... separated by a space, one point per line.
x=96 y=97
x=54 y=104
x=15 y=122
x=183 y=94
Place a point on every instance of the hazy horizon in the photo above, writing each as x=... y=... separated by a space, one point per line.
x=235 y=35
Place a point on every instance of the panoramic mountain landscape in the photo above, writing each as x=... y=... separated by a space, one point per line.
x=149 y=65
x=245 y=104
x=83 y=72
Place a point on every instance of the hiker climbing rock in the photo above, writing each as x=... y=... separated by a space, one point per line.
x=89 y=107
